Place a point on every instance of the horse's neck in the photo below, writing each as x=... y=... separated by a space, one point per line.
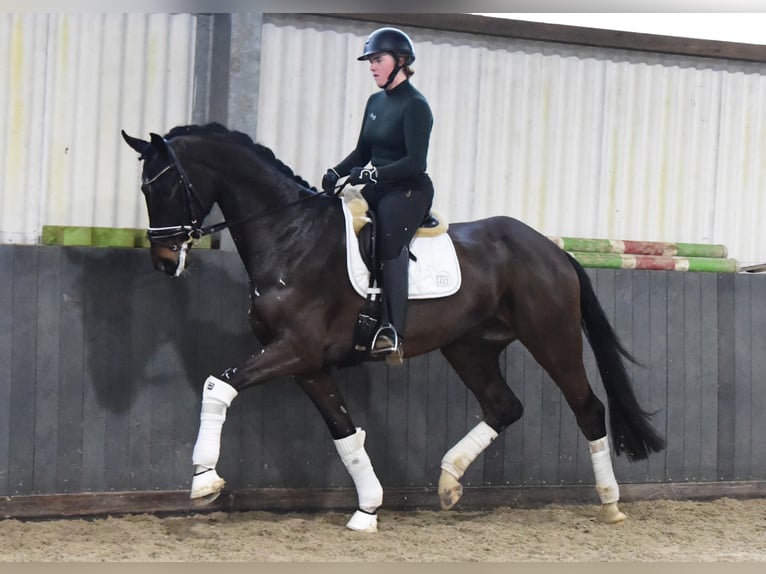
x=257 y=201
x=262 y=220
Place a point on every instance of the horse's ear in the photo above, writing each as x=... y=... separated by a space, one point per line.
x=159 y=144
x=137 y=144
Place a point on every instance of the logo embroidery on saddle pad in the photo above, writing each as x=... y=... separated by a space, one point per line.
x=436 y=273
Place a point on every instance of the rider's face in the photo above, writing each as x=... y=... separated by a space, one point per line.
x=381 y=66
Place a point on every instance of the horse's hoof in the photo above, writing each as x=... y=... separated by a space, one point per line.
x=363 y=522
x=205 y=500
x=450 y=490
x=610 y=514
x=206 y=484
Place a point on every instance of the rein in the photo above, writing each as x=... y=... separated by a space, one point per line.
x=192 y=231
x=215 y=228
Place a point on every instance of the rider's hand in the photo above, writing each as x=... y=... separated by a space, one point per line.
x=329 y=180
x=363 y=175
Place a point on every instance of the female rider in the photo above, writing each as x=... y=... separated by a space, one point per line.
x=390 y=161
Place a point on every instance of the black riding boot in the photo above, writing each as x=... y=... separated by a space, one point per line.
x=389 y=338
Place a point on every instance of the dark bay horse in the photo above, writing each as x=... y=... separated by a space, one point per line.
x=516 y=285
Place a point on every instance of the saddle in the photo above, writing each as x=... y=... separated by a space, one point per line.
x=364 y=227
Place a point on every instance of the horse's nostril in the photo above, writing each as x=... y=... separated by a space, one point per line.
x=166 y=266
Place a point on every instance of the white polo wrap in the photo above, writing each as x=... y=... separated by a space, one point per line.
x=359 y=466
x=460 y=456
x=606 y=483
x=216 y=398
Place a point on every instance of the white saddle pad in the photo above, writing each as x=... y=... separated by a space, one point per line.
x=436 y=273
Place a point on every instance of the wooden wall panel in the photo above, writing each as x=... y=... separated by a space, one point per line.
x=102 y=361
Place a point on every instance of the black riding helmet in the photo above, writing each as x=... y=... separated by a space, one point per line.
x=392 y=41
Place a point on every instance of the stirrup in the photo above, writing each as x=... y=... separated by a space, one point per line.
x=385 y=341
x=388 y=344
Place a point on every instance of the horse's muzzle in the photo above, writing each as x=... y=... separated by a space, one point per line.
x=169 y=261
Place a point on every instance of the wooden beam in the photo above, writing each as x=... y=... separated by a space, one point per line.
x=294 y=500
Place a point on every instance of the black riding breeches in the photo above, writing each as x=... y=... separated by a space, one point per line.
x=400 y=209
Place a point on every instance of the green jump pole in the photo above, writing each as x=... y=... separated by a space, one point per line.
x=104 y=237
x=660 y=248
x=655 y=262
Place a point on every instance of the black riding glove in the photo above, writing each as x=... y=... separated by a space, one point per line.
x=329 y=180
x=363 y=175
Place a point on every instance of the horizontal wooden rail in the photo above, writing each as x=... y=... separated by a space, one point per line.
x=399 y=498
x=655 y=262
x=661 y=248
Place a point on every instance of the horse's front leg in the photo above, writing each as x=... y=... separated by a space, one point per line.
x=349 y=442
x=217 y=395
x=277 y=359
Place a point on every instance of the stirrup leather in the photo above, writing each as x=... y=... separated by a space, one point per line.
x=385 y=342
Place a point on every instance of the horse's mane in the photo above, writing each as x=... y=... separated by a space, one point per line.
x=216 y=129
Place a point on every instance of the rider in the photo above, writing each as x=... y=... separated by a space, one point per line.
x=394 y=138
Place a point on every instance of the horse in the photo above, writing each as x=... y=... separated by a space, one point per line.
x=516 y=285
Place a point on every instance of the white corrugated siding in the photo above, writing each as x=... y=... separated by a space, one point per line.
x=68 y=84
x=574 y=141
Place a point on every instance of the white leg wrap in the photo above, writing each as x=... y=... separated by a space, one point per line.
x=357 y=462
x=216 y=398
x=606 y=483
x=460 y=456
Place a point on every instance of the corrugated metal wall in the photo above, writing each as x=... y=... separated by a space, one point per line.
x=70 y=82
x=575 y=141
x=572 y=140
x=85 y=407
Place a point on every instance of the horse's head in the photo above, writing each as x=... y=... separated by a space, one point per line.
x=175 y=208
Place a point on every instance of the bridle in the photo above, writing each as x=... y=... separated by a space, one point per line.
x=192 y=231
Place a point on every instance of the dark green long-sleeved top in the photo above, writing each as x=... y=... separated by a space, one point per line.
x=395 y=133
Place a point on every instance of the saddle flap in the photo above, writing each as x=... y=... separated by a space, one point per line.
x=434 y=273
x=366 y=239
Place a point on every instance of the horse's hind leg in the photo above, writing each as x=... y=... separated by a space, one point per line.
x=559 y=352
x=477 y=364
x=590 y=415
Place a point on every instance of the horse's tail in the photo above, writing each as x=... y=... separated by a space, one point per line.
x=631 y=430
